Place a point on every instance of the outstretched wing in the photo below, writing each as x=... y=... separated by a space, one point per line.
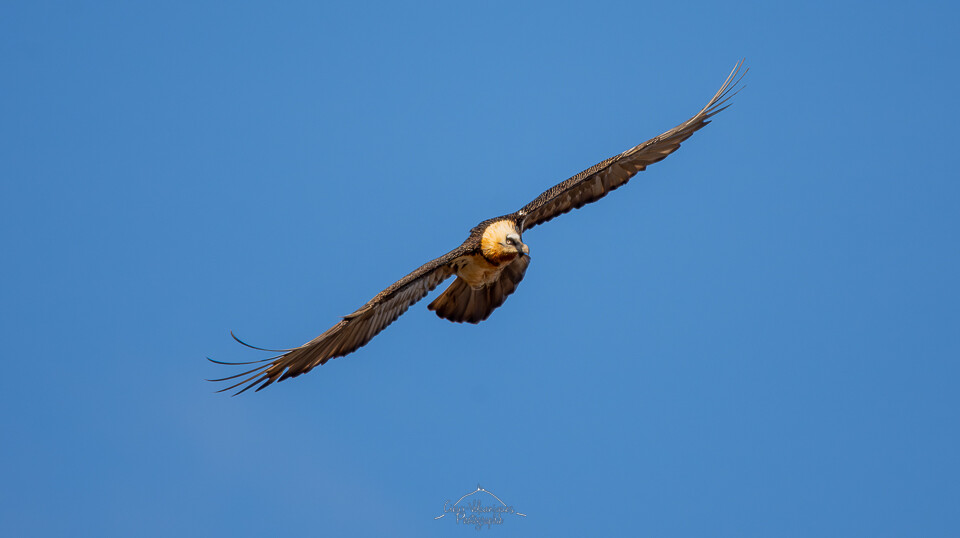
x=595 y=182
x=352 y=332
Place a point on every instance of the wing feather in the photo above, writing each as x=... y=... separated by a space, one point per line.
x=354 y=330
x=597 y=181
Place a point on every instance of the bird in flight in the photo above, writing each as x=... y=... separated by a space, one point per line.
x=488 y=265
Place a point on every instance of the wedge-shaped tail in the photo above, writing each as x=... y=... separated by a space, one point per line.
x=460 y=302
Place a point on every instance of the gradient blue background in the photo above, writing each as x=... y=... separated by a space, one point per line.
x=756 y=337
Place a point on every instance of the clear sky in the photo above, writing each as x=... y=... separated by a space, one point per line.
x=758 y=336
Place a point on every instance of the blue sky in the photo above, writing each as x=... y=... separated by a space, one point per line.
x=755 y=337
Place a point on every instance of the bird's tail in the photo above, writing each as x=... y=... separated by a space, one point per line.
x=459 y=302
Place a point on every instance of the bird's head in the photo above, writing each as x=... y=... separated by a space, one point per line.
x=501 y=242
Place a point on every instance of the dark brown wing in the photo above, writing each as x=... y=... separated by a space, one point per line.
x=595 y=182
x=354 y=330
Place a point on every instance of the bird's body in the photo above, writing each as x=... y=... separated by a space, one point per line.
x=488 y=265
x=478 y=270
x=493 y=263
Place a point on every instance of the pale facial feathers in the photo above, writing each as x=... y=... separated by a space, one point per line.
x=501 y=242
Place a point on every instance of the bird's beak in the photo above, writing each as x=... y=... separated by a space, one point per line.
x=524 y=250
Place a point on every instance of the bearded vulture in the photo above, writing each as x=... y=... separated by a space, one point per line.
x=488 y=265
